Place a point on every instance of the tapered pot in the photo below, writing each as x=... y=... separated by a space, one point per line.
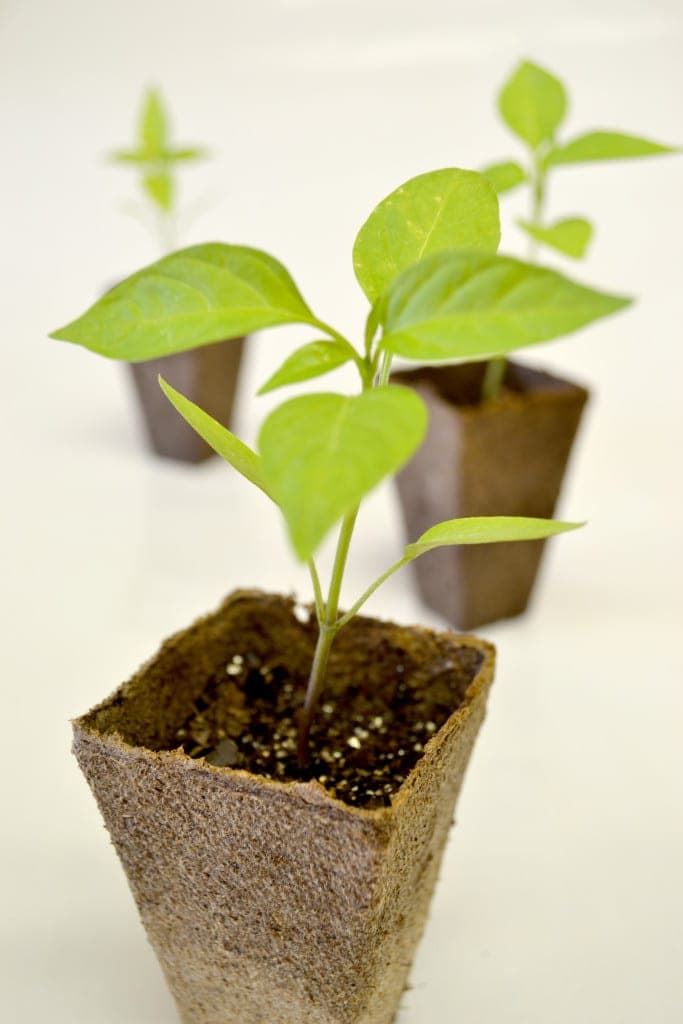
x=502 y=457
x=278 y=902
x=207 y=376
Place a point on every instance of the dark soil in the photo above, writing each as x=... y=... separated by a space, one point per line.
x=363 y=744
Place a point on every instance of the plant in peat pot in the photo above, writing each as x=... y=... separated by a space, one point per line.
x=279 y=781
x=501 y=433
x=207 y=375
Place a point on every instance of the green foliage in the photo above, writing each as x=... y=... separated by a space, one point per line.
x=154 y=156
x=235 y=452
x=570 y=236
x=533 y=104
x=606 y=146
x=435 y=212
x=320 y=454
x=311 y=360
x=486 y=530
x=469 y=305
x=202 y=294
x=505 y=176
x=323 y=453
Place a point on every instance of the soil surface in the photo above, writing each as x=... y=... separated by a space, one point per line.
x=363 y=744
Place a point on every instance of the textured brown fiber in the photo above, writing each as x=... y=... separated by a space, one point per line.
x=268 y=902
x=503 y=457
x=207 y=376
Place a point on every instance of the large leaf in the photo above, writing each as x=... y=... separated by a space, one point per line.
x=218 y=437
x=192 y=297
x=446 y=209
x=153 y=130
x=606 y=146
x=486 y=530
x=505 y=176
x=570 y=236
x=311 y=360
x=533 y=103
x=470 y=305
x=323 y=452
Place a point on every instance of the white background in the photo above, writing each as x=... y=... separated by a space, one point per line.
x=561 y=897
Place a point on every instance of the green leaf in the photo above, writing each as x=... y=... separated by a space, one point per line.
x=569 y=236
x=323 y=452
x=470 y=305
x=486 y=530
x=606 y=146
x=153 y=128
x=446 y=209
x=218 y=437
x=187 y=153
x=311 y=360
x=128 y=156
x=505 y=176
x=159 y=187
x=533 y=103
x=194 y=296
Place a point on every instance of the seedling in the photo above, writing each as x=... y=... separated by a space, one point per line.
x=426 y=260
x=533 y=103
x=156 y=160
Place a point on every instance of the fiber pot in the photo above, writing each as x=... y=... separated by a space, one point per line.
x=276 y=902
x=207 y=376
x=502 y=457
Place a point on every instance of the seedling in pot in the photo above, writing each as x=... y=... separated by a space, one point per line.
x=533 y=103
x=320 y=454
x=156 y=159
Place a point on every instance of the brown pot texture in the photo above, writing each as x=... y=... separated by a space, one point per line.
x=207 y=376
x=503 y=457
x=275 y=902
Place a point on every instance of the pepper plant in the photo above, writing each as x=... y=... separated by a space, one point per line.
x=156 y=160
x=533 y=103
x=427 y=261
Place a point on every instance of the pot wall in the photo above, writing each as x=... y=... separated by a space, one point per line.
x=207 y=376
x=268 y=902
x=503 y=457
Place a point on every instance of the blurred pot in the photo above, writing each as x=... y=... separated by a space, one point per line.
x=502 y=457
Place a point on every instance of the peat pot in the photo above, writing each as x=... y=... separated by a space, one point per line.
x=274 y=900
x=503 y=457
x=207 y=376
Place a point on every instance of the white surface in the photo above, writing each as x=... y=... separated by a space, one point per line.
x=561 y=898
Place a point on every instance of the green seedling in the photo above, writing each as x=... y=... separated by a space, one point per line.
x=533 y=103
x=156 y=160
x=320 y=454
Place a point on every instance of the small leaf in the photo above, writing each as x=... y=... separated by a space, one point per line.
x=570 y=236
x=486 y=530
x=187 y=153
x=128 y=156
x=606 y=146
x=470 y=305
x=194 y=296
x=505 y=176
x=323 y=452
x=159 y=187
x=533 y=103
x=446 y=209
x=311 y=360
x=218 y=437
x=153 y=129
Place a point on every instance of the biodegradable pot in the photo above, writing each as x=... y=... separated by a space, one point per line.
x=503 y=457
x=274 y=902
x=207 y=376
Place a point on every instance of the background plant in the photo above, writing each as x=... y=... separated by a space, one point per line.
x=156 y=160
x=426 y=259
x=533 y=103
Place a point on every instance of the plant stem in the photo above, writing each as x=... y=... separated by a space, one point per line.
x=385 y=369
x=317 y=591
x=370 y=591
x=494 y=376
x=328 y=629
